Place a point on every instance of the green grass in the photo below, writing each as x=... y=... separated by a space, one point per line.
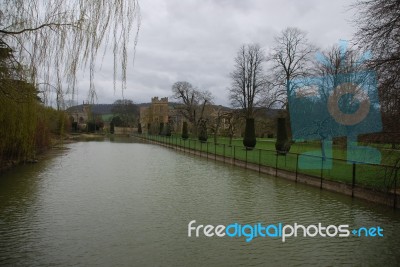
x=107 y=117
x=374 y=176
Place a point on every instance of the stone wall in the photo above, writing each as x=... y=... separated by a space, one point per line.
x=124 y=130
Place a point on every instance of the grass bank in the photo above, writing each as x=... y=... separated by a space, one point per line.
x=382 y=177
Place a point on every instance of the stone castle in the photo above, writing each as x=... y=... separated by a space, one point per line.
x=153 y=115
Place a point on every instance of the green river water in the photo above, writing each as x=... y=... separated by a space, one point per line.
x=128 y=203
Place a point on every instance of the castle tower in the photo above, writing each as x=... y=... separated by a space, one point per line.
x=159 y=110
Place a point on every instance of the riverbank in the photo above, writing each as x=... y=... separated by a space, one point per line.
x=78 y=137
x=388 y=196
x=56 y=145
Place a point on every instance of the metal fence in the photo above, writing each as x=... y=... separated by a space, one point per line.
x=378 y=177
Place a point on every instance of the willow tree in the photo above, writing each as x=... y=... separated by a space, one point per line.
x=53 y=40
x=49 y=42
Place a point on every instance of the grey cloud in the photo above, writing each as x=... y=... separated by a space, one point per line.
x=197 y=41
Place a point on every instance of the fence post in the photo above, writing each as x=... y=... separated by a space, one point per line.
x=207 y=150
x=234 y=154
x=276 y=164
x=395 y=186
x=245 y=164
x=224 y=153
x=353 y=182
x=297 y=166
x=259 y=160
x=322 y=171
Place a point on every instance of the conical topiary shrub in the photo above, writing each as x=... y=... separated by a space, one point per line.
x=203 y=132
x=149 y=131
x=249 y=140
x=111 y=127
x=167 y=129
x=185 y=133
x=282 y=144
x=160 y=132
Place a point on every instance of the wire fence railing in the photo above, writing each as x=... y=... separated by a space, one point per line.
x=378 y=177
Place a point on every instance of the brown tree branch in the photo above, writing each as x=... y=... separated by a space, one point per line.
x=37 y=28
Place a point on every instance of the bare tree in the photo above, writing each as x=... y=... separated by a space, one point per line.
x=249 y=83
x=217 y=118
x=249 y=86
x=193 y=102
x=332 y=67
x=290 y=58
x=378 y=25
x=234 y=120
x=338 y=65
x=52 y=40
x=127 y=111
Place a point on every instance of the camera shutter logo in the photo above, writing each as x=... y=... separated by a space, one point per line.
x=344 y=118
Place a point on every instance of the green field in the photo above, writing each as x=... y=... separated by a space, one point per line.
x=379 y=177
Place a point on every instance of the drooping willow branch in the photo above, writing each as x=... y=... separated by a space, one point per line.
x=56 y=41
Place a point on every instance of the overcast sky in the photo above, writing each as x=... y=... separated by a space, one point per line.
x=197 y=40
